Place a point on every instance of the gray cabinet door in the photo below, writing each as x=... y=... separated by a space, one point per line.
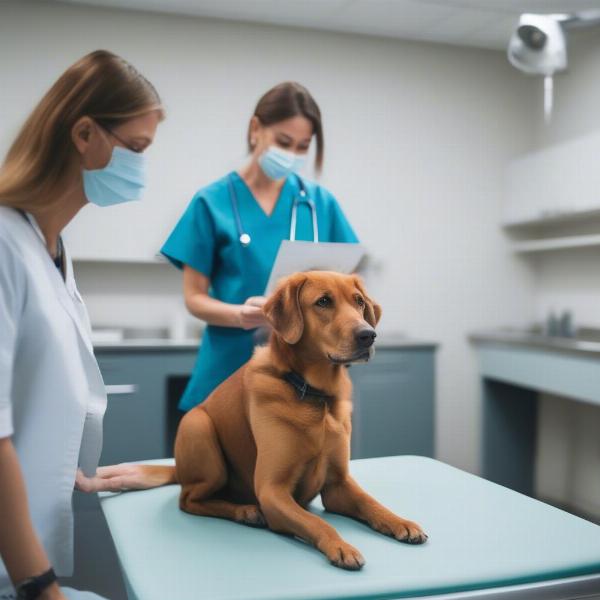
x=135 y=423
x=394 y=404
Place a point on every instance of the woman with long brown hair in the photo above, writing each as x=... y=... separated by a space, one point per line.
x=228 y=238
x=83 y=142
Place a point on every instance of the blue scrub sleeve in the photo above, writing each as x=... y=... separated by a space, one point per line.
x=192 y=242
x=341 y=230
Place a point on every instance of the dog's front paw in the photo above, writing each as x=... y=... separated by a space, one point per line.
x=251 y=515
x=343 y=555
x=405 y=531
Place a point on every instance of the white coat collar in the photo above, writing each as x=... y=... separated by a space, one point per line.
x=69 y=297
x=66 y=290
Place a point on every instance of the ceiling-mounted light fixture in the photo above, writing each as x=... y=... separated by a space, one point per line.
x=539 y=46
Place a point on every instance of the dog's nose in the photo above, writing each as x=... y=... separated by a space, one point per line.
x=365 y=337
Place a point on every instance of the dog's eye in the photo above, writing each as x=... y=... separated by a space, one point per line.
x=360 y=301
x=324 y=302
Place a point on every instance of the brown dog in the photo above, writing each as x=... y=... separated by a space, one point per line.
x=277 y=432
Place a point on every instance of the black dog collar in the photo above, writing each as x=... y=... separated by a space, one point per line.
x=303 y=389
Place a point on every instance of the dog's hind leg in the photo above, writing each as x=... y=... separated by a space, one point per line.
x=202 y=472
x=246 y=514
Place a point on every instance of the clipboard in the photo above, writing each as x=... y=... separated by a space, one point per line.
x=293 y=257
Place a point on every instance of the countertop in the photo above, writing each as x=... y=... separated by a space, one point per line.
x=385 y=340
x=147 y=344
x=585 y=343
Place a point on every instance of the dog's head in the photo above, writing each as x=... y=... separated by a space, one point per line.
x=328 y=315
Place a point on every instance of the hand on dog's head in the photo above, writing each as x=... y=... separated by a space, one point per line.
x=328 y=313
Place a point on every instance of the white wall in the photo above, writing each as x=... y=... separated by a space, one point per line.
x=569 y=444
x=417 y=140
x=572 y=280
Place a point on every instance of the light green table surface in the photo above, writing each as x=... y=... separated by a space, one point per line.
x=481 y=536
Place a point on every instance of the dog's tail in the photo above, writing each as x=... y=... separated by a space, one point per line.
x=157 y=475
x=126 y=476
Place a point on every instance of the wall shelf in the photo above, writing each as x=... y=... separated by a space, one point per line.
x=548 y=244
x=550 y=220
x=158 y=259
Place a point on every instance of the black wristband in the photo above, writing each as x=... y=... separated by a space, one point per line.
x=32 y=587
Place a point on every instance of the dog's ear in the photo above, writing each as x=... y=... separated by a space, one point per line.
x=372 y=309
x=283 y=309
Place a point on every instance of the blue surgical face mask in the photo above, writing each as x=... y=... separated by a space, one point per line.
x=123 y=179
x=277 y=163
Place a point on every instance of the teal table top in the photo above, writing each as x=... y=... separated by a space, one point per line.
x=481 y=535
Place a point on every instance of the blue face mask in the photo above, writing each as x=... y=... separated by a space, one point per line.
x=277 y=163
x=123 y=179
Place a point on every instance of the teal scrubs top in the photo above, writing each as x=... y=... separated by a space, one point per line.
x=206 y=238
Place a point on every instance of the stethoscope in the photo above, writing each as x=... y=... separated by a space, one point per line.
x=245 y=238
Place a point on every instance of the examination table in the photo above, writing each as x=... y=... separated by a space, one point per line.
x=485 y=541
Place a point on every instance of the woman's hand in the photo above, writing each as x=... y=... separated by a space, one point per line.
x=118 y=478
x=223 y=314
x=251 y=314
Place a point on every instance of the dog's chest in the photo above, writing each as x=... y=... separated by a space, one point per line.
x=330 y=444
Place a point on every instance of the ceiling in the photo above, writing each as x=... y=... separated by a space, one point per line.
x=479 y=23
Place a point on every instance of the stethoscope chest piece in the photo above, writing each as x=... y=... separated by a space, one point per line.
x=245 y=240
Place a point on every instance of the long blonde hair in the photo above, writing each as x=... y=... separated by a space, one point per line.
x=101 y=85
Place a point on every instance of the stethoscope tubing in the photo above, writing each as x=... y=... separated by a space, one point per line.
x=313 y=211
x=244 y=237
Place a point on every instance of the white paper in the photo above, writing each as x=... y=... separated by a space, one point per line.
x=308 y=256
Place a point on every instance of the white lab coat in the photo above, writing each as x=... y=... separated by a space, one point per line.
x=52 y=396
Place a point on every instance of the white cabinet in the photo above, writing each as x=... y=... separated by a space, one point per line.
x=557 y=183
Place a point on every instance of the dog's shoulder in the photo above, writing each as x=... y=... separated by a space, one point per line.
x=267 y=390
x=261 y=372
